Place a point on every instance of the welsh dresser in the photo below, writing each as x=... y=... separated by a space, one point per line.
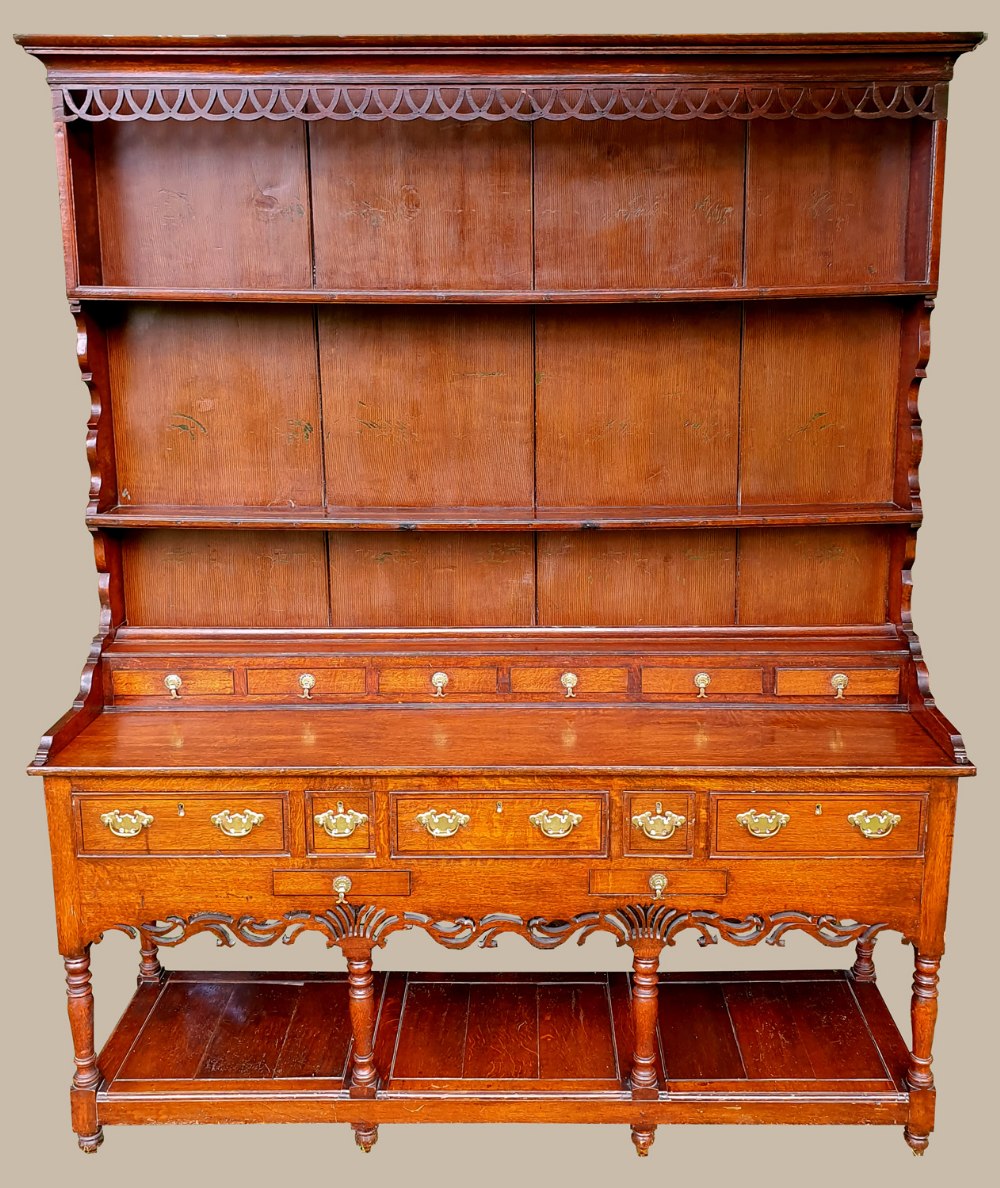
x=504 y=493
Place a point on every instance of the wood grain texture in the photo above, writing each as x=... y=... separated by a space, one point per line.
x=421 y=206
x=619 y=207
x=817 y=682
x=167 y=191
x=428 y=408
x=660 y=579
x=443 y=580
x=217 y=406
x=819 y=403
x=225 y=579
x=637 y=407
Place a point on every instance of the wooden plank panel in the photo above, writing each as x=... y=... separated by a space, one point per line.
x=428 y=408
x=696 y=1033
x=833 y=1032
x=441 y=205
x=319 y=1035
x=769 y=1037
x=826 y=201
x=819 y=402
x=813 y=576
x=575 y=1034
x=637 y=406
x=387 y=1024
x=501 y=1042
x=216 y=405
x=448 y=579
x=432 y=1031
x=637 y=579
x=637 y=205
x=174 y=578
x=174 y=1040
x=262 y=1010
x=203 y=204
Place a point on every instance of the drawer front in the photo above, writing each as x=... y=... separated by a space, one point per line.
x=363 y=883
x=305 y=682
x=658 y=822
x=706 y=679
x=487 y=823
x=571 y=681
x=248 y=823
x=828 y=682
x=865 y=825
x=166 y=682
x=442 y=680
x=640 y=883
x=339 y=822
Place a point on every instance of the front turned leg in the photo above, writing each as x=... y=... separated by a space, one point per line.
x=645 y=995
x=83 y=1091
x=923 y=1017
x=863 y=969
x=363 y=1073
x=150 y=969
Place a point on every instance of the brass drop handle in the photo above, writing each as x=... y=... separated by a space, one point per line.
x=658 y=825
x=443 y=824
x=556 y=824
x=237 y=824
x=840 y=681
x=307 y=682
x=342 y=884
x=569 y=681
x=340 y=823
x=875 y=824
x=126 y=824
x=658 y=884
x=172 y=682
x=701 y=682
x=763 y=824
x=440 y=682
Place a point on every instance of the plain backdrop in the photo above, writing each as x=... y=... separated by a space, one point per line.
x=50 y=613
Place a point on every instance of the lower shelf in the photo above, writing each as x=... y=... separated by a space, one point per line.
x=225 y=1047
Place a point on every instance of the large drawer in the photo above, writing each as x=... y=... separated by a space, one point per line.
x=498 y=823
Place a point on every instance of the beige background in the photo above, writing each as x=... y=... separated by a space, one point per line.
x=51 y=614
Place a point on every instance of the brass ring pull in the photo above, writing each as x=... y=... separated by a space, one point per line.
x=875 y=824
x=237 y=824
x=556 y=824
x=569 y=681
x=763 y=824
x=658 y=825
x=658 y=884
x=307 y=682
x=443 y=824
x=342 y=884
x=440 y=682
x=340 y=823
x=172 y=682
x=126 y=824
x=701 y=682
x=840 y=681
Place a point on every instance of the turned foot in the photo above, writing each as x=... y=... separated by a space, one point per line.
x=364 y=1135
x=916 y=1142
x=643 y=1140
x=90 y=1142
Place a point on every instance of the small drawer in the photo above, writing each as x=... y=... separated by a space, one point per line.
x=866 y=825
x=172 y=684
x=364 y=883
x=658 y=822
x=245 y=823
x=339 y=822
x=305 y=682
x=829 y=682
x=679 y=883
x=441 y=680
x=704 y=681
x=571 y=681
x=488 y=823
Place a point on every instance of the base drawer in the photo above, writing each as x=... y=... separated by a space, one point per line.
x=863 y=825
x=679 y=883
x=361 y=884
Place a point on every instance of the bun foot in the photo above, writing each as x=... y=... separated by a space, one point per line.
x=364 y=1135
x=90 y=1142
x=643 y=1140
x=916 y=1142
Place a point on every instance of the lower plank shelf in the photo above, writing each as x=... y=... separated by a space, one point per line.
x=731 y=1047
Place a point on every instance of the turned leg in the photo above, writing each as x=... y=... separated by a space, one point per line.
x=863 y=969
x=361 y=992
x=83 y=1092
x=645 y=992
x=923 y=1016
x=150 y=969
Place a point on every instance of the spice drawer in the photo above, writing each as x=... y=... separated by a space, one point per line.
x=487 y=823
x=437 y=681
x=305 y=682
x=571 y=681
x=839 y=684
x=704 y=681
x=865 y=825
x=234 y=823
x=172 y=684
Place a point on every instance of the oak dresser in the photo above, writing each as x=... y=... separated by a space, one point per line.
x=504 y=494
